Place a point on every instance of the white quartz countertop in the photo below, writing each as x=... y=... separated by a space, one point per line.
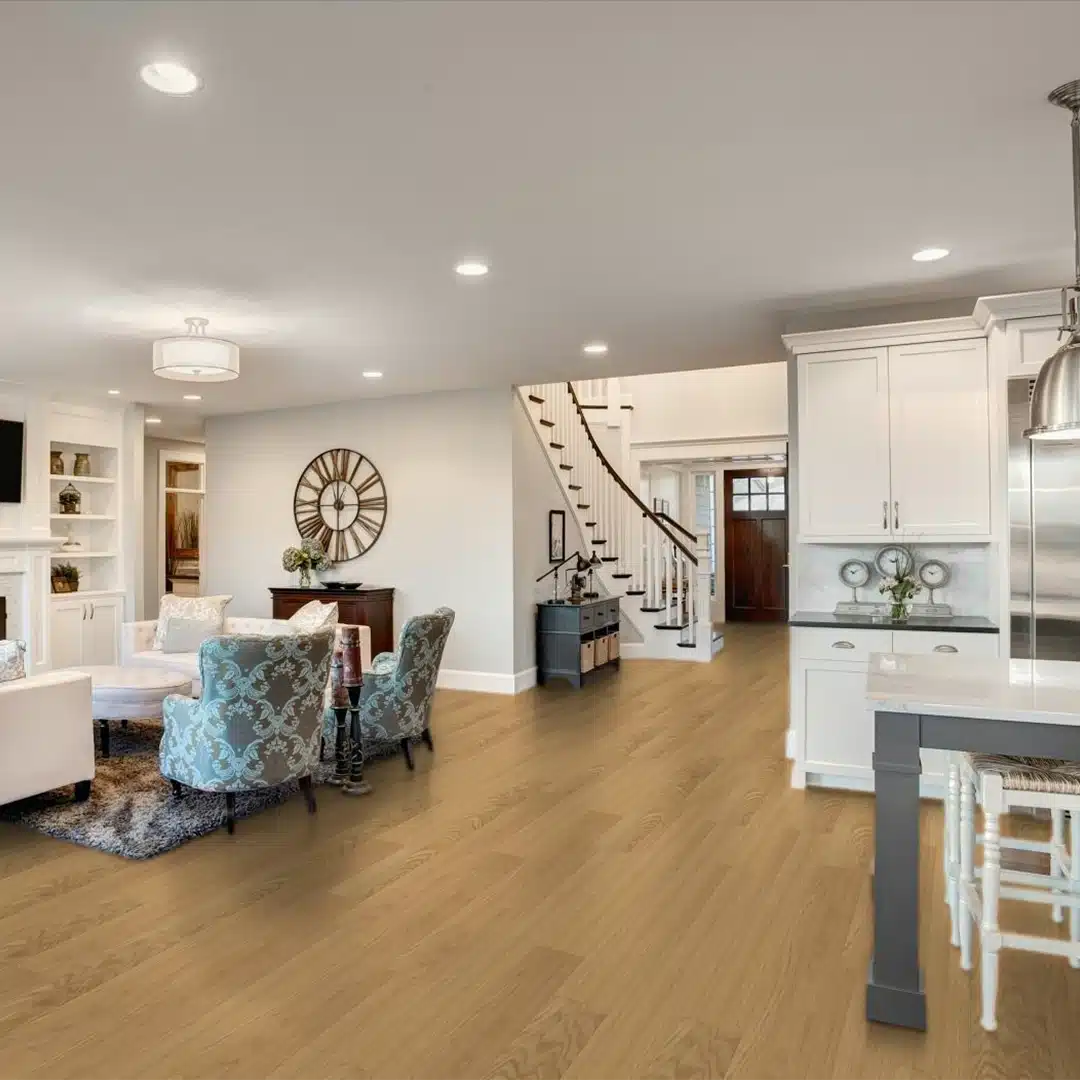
x=1035 y=691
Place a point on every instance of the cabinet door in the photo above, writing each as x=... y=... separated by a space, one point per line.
x=839 y=722
x=939 y=423
x=101 y=630
x=843 y=444
x=66 y=633
x=1031 y=342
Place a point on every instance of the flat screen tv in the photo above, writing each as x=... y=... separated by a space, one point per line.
x=11 y=461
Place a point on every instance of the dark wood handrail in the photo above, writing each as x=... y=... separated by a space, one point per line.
x=671 y=521
x=654 y=518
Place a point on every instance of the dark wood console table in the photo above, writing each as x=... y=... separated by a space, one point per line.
x=370 y=606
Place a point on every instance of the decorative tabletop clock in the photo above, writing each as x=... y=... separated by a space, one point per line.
x=340 y=501
x=894 y=561
x=855 y=574
x=934 y=574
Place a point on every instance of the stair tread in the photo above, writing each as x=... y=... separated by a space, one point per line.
x=622 y=575
x=597 y=543
x=567 y=468
x=583 y=506
x=686 y=644
x=538 y=400
x=609 y=558
x=671 y=626
x=590 y=524
x=547 y=423
x=557 y=446
x=650 y=609
x=632 y=592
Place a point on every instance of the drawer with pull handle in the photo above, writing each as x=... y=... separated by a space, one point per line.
x=816 y=643
x=941 y=642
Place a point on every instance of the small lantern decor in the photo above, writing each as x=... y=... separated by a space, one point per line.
x=70 y=499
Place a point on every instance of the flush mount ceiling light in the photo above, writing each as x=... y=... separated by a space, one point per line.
x=371 y=374
x=930 y=254
x=168 y=77
x=193 y=397
x=113 y=393
x=194 y=357
x=471 y=268
x=1055 y=401
x=595 y=348
x=153 y=419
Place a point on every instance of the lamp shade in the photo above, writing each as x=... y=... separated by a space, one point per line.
x=1055 y=401
x=196 y=357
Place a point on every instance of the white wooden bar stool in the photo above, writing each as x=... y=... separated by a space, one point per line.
x=1005 y=784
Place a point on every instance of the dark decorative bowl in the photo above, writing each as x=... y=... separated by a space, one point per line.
x=347 y=585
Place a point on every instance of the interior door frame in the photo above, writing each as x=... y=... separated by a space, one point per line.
x=185 y=457
x=729 y=476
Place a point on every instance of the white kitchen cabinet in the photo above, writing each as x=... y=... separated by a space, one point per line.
x=85 y=630
x=843 y=464
x=939 y=437
x=894 y=442
x=832 y=722
x=1031 y=342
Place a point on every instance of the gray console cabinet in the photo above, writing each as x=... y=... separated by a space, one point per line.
x=573 y=640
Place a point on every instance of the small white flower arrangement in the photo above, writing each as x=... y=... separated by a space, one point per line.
x=305 y=558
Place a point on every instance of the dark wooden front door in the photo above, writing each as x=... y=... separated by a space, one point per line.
x=755 y=545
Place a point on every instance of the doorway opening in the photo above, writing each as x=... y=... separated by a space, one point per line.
x=755 y=545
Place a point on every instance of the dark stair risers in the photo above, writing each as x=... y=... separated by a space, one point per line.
x=574 y=487
x=567 y=468
x=590 y=524
x=556 y=446
x=583 y=506
x=538 y=400
x=610 y=558
x=547 y=423
x=642 y=593
x=686 y=644
x=597 y=543
x=624 y=576
x=670 y=626
x=631 y=592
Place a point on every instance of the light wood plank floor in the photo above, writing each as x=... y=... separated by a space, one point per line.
x=612 y=883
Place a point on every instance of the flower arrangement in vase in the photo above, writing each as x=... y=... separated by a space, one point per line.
x=900 y=591
x=305 y=558
x=65 y=578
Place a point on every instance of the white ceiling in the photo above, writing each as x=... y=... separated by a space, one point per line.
x=677 y=179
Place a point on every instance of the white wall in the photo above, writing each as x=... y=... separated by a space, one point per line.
x=702 y=406
x=151 y=508
x=536 y=491
x=446 y=460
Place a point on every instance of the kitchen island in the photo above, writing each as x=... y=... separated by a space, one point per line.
x=939 y=702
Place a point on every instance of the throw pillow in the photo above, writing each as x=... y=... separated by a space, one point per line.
x=210 y=608
x=12 y=664
x=313 y=616
x=184 y=635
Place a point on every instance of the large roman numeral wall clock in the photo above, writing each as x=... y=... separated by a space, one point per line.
x=340 y=501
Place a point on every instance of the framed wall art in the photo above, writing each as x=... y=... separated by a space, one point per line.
x=556 y=535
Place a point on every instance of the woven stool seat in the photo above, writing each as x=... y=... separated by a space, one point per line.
x=1031 y=773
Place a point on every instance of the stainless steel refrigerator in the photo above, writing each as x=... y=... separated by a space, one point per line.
x=1044 y=488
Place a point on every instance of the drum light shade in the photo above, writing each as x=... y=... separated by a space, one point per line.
x=1055 y=401
x=195 y=357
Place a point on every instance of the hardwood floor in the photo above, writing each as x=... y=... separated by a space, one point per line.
x=612 y=883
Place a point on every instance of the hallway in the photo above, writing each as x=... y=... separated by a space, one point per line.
x=616 y=882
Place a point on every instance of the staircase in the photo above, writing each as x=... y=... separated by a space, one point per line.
x=647 y=559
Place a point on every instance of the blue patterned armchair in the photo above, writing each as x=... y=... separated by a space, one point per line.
x=395 y=700
x=259 y=720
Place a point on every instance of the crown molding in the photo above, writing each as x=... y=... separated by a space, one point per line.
x=905 y=333
x=991 y=310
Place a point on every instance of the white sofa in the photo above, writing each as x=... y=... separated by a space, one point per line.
x=46 y=735
x=137 y=645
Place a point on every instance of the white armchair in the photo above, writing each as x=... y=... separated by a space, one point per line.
x=46 y=735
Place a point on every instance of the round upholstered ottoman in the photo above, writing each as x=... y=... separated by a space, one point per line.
x=132 y=693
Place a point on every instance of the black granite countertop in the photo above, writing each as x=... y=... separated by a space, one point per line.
x=964 y=624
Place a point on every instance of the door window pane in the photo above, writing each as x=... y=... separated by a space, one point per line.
x=776 y=483
x=740 y=485
x=757 y=483
x=776 y=502
x=740 y=502
x=757 y=502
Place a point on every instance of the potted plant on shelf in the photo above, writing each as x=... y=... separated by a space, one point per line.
x=305 y=558
x=65 y=578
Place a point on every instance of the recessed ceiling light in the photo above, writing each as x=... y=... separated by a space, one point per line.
x=193 y=397
x=170 y=78
x=114 y=393
x=153 y=419
x=595 y=348
x=472 y=268
x=930 y=254
x=371 y=374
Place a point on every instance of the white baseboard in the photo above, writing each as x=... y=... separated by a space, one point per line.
x=789 y=744
x=631 y=650
x=486 y=682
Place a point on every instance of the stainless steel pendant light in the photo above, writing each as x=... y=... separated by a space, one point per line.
x=1055 y=401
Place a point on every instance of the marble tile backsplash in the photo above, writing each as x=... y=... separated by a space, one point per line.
x=971 y=590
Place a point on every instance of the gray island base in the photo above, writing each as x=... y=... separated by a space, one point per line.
x=977 y=704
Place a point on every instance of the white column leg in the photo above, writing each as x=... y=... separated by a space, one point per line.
x=1057 y=842
x=1074 y=876
x=967 y=866
x=991 y=885
x=952 y=848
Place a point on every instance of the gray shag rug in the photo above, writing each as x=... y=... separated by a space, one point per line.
x=132 y=811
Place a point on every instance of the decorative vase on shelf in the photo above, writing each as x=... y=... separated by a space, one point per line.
x=82 y=465
x=899 y=612
x=56 y=463
x=305 y=577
